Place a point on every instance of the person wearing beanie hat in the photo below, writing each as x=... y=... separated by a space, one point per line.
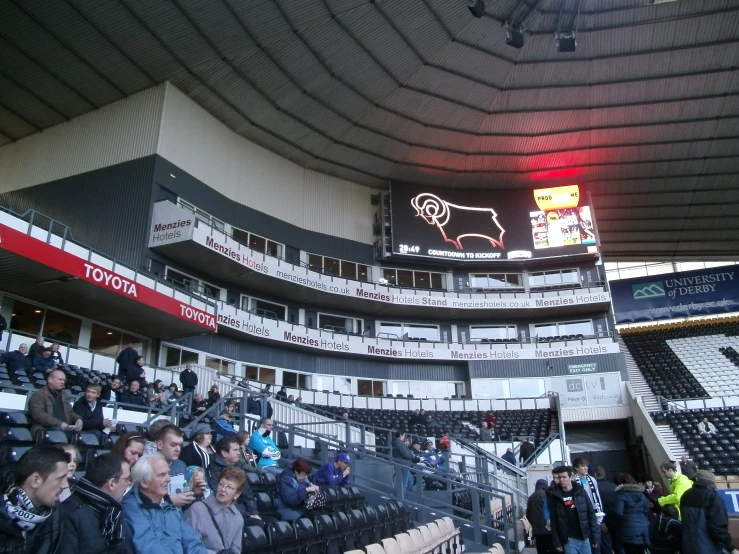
x=200 y=451
x=653 y=491
x=336 y=473
x=704 y=518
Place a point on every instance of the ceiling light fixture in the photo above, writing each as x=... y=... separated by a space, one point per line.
x=567 y=39
x=476 y=7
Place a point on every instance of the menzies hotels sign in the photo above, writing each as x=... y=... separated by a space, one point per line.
x=700 y=292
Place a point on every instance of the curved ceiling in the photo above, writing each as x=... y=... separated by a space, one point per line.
x=645 y=113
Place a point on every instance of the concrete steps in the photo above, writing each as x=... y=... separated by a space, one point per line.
x=636 y=378
x=677 y=450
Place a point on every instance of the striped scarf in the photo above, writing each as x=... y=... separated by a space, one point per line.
x=21 y=511
x=107 y=507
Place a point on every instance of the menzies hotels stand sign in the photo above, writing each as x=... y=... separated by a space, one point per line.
x=689 y=293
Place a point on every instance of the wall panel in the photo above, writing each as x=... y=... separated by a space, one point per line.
x=119 y=132
x=544 y=367
x=201 y=145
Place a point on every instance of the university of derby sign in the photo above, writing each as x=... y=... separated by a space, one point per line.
x=297 y=335
x=172 y=224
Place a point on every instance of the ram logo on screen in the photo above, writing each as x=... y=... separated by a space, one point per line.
x=655 y=289
x=457 y=222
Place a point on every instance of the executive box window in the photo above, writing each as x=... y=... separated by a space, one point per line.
x=492 y=332
x=191 y=284
x=338 y=268
x=554 y=278
x=261 y=374
x=339 y=324
x=257 y=243
x=566 y=328
x=37 y=320
x=294 y=380
x=201 y=215
x=408 y=331
x=226 y=367
x=262 y=308
x=495 y=280
x=413 y=279
x=366 y=387
x=175 y=356
x=109 y=341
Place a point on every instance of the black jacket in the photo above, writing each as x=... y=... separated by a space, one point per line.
x=535 y=509
x=402 y=453
x=527 y=449
x=91 y=419
x=109 y=395
x=246 y=503
x=15 y=360
x=188 y=379
x=689 y=469
x=35 y=350
x=196 y=405
x=705 y=521
x=42 y=539
x=126 y=359
x=127 y=397
x=557 y=510
x=193 y=457
x=82 y=530
x=665 y=535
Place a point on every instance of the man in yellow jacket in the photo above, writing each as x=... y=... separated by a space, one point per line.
x=679 y=483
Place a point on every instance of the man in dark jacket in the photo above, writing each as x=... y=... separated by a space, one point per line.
x=704 y=518
x=527 y=449
x=609 y=526
x=43 y=361
x=403 y=455
x=36 y=348
x=91 y=411
x=137 y=372
x=3 y=326
x=133 y=395
x=188 y=380
x=50 y=407
x=573 y=520
x=227 y=454
x=126 y=359
x=113 y=391
x=17 y=359
x=93 y=521
x=334 y=474
x=30 y=514
x=535 y=515
x=687 y=467
x=199 y=405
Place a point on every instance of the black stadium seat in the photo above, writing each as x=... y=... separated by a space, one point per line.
x=305 y=533
x=255 y=541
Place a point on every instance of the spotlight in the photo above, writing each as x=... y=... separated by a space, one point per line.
x=514 y=35
x=566 y=42
x=476 y=7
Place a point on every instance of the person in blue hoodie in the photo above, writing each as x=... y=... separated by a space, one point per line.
x=44 y=362
x=262 y=444
x=224 y=427
x=336 y=473
x=292 y=490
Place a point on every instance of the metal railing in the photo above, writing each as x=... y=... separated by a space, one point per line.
x=670 y=404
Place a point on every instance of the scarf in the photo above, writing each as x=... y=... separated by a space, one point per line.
x=107 y=507
x=591 y=487
x=204 y=455
x=21 y=511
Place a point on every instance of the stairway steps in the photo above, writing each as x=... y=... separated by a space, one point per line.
x=638 y=384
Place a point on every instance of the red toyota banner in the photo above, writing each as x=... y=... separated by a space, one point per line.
x=46 y=254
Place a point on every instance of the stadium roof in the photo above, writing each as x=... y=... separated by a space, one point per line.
x=645 y=112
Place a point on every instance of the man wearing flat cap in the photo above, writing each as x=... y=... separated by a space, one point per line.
x=704 y=518
x=336 y=473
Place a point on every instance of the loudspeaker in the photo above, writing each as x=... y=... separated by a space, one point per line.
x=476 y=7
x=568 y=44
x=514 y=37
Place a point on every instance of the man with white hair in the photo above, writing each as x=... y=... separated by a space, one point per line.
x=155 y=524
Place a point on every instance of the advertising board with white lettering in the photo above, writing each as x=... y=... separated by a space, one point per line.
x=488 y=225
x=731 y=499
x=298 y=335
x=279 y=269
x=683 y=294
x=601 y=389
x=573 y=369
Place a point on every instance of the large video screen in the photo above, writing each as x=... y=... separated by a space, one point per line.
x=484 y=225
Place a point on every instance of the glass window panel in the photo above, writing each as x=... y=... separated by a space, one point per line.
x=105 y=340
x=570 y=276
x=378 y=388
x=302 y=381
x=218 y=224
x=491 y=332
x=401 y=387
x=576 y=328
x=348 y=270
x=418 y=389
x=181 y=280
x=422 y=331
x=188 y=357
x=689 y=266
x=545 y=330
x=268 y=309
x=61 y=327
x=211 y=291
x=658 y=269
x=537 y=279
x=274 y=249
x=478 y=281
x=331 y=266
x=394 y=330
x=526 y=388
x=289 y=379
x=422 y=280
x=251 y=372
x=364 y=387
x=437 y=281
x=315 y=262
x=513 y=279
x=626 y=273
x=267 y=375
x=257 y=243
x=334 y=323
x=26 y=318
x=364 y=273
x=137 y=342
x=496 y=280
x=342 y=385
x=390 y=276
x=552 y=278
x=171 y=356
x=405 y=278
x=214 y=363
x=239 y=235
